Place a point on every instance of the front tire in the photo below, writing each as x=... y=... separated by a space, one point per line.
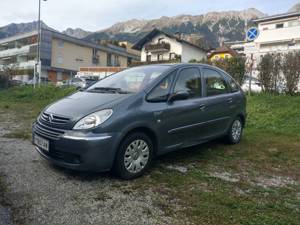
x=134 y=156
x=235 y=131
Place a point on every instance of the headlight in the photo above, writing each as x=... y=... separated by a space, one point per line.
x=93 y=120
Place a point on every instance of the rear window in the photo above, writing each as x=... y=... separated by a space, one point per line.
x=215 y=83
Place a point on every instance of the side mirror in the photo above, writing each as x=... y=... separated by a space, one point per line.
x=179 y=95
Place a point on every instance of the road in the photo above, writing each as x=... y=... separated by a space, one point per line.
x=36 y=192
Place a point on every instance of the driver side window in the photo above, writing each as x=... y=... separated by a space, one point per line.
x=161 y=92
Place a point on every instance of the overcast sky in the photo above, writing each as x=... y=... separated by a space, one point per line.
x=95 y=15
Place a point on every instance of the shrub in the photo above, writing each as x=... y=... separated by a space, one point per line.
x=5 y=75
x=235 y=66
x=4 y=78
x=291 y=71
x=266 y=72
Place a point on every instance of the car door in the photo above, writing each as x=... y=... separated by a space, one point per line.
x=218 y=102
x=185 y=117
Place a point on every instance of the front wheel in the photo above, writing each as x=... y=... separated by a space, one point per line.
x=235 y=131
x=134 y=156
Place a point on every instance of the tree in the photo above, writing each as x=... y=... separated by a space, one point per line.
x=234 y=66
x=6 y=74
x=276 y=71
x=265 y=75
x=291 y=71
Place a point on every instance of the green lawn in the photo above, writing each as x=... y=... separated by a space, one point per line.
x=26 y=103
x=254 y=182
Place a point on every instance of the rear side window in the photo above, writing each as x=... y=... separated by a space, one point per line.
x=189 y=80
x=214 y=82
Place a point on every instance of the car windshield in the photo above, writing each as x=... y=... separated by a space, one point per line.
x=130 y=80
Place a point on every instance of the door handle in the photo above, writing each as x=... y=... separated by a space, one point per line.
x=229 y=100
x=202 y=107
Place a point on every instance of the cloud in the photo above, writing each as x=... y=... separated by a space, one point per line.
x=98 y=14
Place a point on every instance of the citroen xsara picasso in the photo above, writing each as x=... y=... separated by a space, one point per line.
x=126 y=119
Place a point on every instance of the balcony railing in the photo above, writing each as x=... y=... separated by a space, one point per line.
x=27 y=49
x=21 y=65
x=158 y=47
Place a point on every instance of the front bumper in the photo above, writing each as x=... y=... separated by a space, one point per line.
x=79 y=150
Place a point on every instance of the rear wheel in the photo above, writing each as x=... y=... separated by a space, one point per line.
x=235 y=131
x=134 y=156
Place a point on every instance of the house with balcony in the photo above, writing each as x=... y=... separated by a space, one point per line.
x=160 y=46
x=62 y=56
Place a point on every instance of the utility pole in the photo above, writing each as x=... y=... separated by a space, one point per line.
x=39 y=64
x=250 y=73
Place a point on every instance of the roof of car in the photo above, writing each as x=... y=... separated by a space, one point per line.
x=179 y=65
x=176 y=64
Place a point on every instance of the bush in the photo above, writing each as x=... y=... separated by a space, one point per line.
x=4 y=78
x=291 y=71
x=235 y=66
x=276 y=69
x=265 y=74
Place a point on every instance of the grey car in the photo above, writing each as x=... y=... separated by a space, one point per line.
x=123 y=121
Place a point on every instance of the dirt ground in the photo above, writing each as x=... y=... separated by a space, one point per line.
x=36 y=192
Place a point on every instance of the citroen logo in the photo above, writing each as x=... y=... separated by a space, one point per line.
x=50 y=118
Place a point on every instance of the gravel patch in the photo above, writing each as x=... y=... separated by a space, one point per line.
x=42 y=194
x=180 y=169
x=275 y=181
x=225 y=176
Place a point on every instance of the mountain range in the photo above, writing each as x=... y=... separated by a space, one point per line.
x=213 y=27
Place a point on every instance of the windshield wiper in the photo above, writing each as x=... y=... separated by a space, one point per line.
x=108 y=90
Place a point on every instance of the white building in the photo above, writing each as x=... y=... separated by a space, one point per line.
x=161 y=46
x=278 y=33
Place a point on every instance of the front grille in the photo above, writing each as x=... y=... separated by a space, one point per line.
x=48 y=132
x=54 y=119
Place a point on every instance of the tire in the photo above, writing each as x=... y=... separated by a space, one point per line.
x=134 y=156
x=235 y=131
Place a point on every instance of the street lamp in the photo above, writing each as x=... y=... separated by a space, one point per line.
x=39 y=64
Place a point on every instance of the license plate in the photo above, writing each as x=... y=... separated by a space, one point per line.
x=41 y=142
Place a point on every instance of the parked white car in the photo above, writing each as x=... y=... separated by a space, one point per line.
x=255 y=85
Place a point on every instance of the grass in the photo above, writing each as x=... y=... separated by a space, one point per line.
x=254 y=182
x=26 y=103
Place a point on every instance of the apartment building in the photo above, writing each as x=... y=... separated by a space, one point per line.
x=278 y=33
x=61 y=55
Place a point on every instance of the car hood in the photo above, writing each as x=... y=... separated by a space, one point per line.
x=83 y=103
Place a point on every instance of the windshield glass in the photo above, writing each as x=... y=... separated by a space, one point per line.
x=130 y=80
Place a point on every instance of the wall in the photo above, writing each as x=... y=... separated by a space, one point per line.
x=67 y=55
x=189 y=52
x=71 y=56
